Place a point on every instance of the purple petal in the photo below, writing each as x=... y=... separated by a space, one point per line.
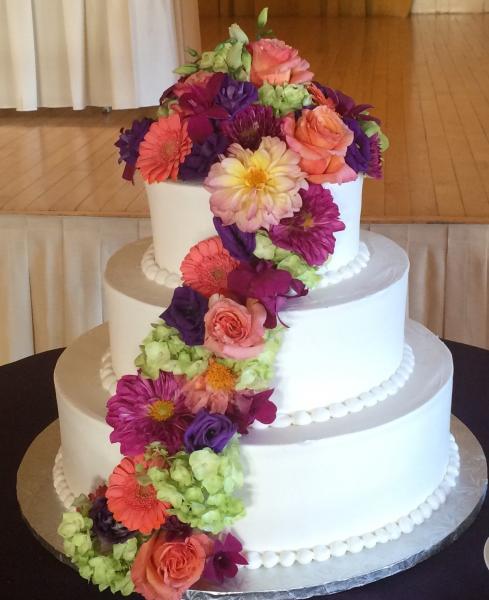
x=239 y=244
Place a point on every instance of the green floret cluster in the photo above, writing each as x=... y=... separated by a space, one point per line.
x=109 y=570
x=200 y=486
x=257 y=373
x=230 y=56
x=284 y=98
x=286 y=260
x=163 y=349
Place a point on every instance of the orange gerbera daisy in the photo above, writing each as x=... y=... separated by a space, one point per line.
x=206 y=267
x=132 y=504
x=164 y=147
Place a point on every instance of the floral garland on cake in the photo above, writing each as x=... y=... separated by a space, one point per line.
x=248 y=119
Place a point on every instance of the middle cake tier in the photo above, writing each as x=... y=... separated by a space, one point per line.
x=343 y=340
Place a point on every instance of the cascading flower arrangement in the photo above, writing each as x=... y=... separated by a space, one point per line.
x=249 y=121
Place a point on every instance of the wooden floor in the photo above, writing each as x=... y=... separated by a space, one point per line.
x=428 y=77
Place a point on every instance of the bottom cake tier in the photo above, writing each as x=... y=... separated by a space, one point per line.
x=310 y=490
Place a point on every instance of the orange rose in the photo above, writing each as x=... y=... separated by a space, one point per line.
x=165 y=570
x=321 y=138
x=233 y=330
x=276 y=63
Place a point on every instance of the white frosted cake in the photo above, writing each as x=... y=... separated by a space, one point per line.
x=258 y=396
x=361 y=441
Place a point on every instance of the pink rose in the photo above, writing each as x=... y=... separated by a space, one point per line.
x=321 y=138
x=165 y=570
x=233 y=330
x=276 y=63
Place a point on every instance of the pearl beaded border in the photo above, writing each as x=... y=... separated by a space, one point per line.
x=377 y=394
x=346 y=271
x=155 y=273
x=162 y=276
x=61 y=486
x=390 y=531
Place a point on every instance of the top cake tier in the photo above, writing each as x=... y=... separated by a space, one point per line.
x=181 y=217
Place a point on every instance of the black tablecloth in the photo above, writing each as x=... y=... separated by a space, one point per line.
x=29 y=572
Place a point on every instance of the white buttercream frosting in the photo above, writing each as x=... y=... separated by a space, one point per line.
x=354 y=544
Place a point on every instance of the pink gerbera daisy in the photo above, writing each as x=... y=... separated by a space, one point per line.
x=206 y=267
x=163 y=149
x=132 y=504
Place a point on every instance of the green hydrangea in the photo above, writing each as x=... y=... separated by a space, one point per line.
x=286 y=260
x=284 y=98
x=200 y=486
x=257 y=373
x=230 y=56
x=163 y=349
x=109 y=570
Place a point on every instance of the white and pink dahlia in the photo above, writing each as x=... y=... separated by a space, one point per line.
x=256 y=188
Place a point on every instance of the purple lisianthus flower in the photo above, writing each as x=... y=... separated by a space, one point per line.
x=249 y=406
x=198 y=108
x=239 y=244
x=264 y=282
x=144 y=410
x=310 y=232
x=225 y=559
x=375 y=164
x=176 y=530
x=105 y=527
x=345 y=105
x=236 y=95
x=358 y=152
x=251 y=124
x=186 y=313
x=128 y=144
x=202 y=156
x=208 y=430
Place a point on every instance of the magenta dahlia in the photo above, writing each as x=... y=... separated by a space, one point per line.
x=251 y=124
x=310 y=232
x=145 y=410
x=375 y=163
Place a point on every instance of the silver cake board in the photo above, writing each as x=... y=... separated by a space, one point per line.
x=42 y=511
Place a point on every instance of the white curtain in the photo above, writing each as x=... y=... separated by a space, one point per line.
x=78 y=53
x=449 y=6
x=51 y=272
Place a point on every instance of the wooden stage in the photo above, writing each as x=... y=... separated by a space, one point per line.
x=428 y=77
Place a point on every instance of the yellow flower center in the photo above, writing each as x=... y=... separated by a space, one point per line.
x=256 y=178
x=161 y=410
x=308 y=221
x=220 y=377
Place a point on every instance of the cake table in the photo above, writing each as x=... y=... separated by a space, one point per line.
x=29 y=571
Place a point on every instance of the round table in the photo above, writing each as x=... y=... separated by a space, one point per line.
x=28 y=571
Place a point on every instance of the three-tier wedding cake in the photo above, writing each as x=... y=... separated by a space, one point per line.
x=257 y=374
